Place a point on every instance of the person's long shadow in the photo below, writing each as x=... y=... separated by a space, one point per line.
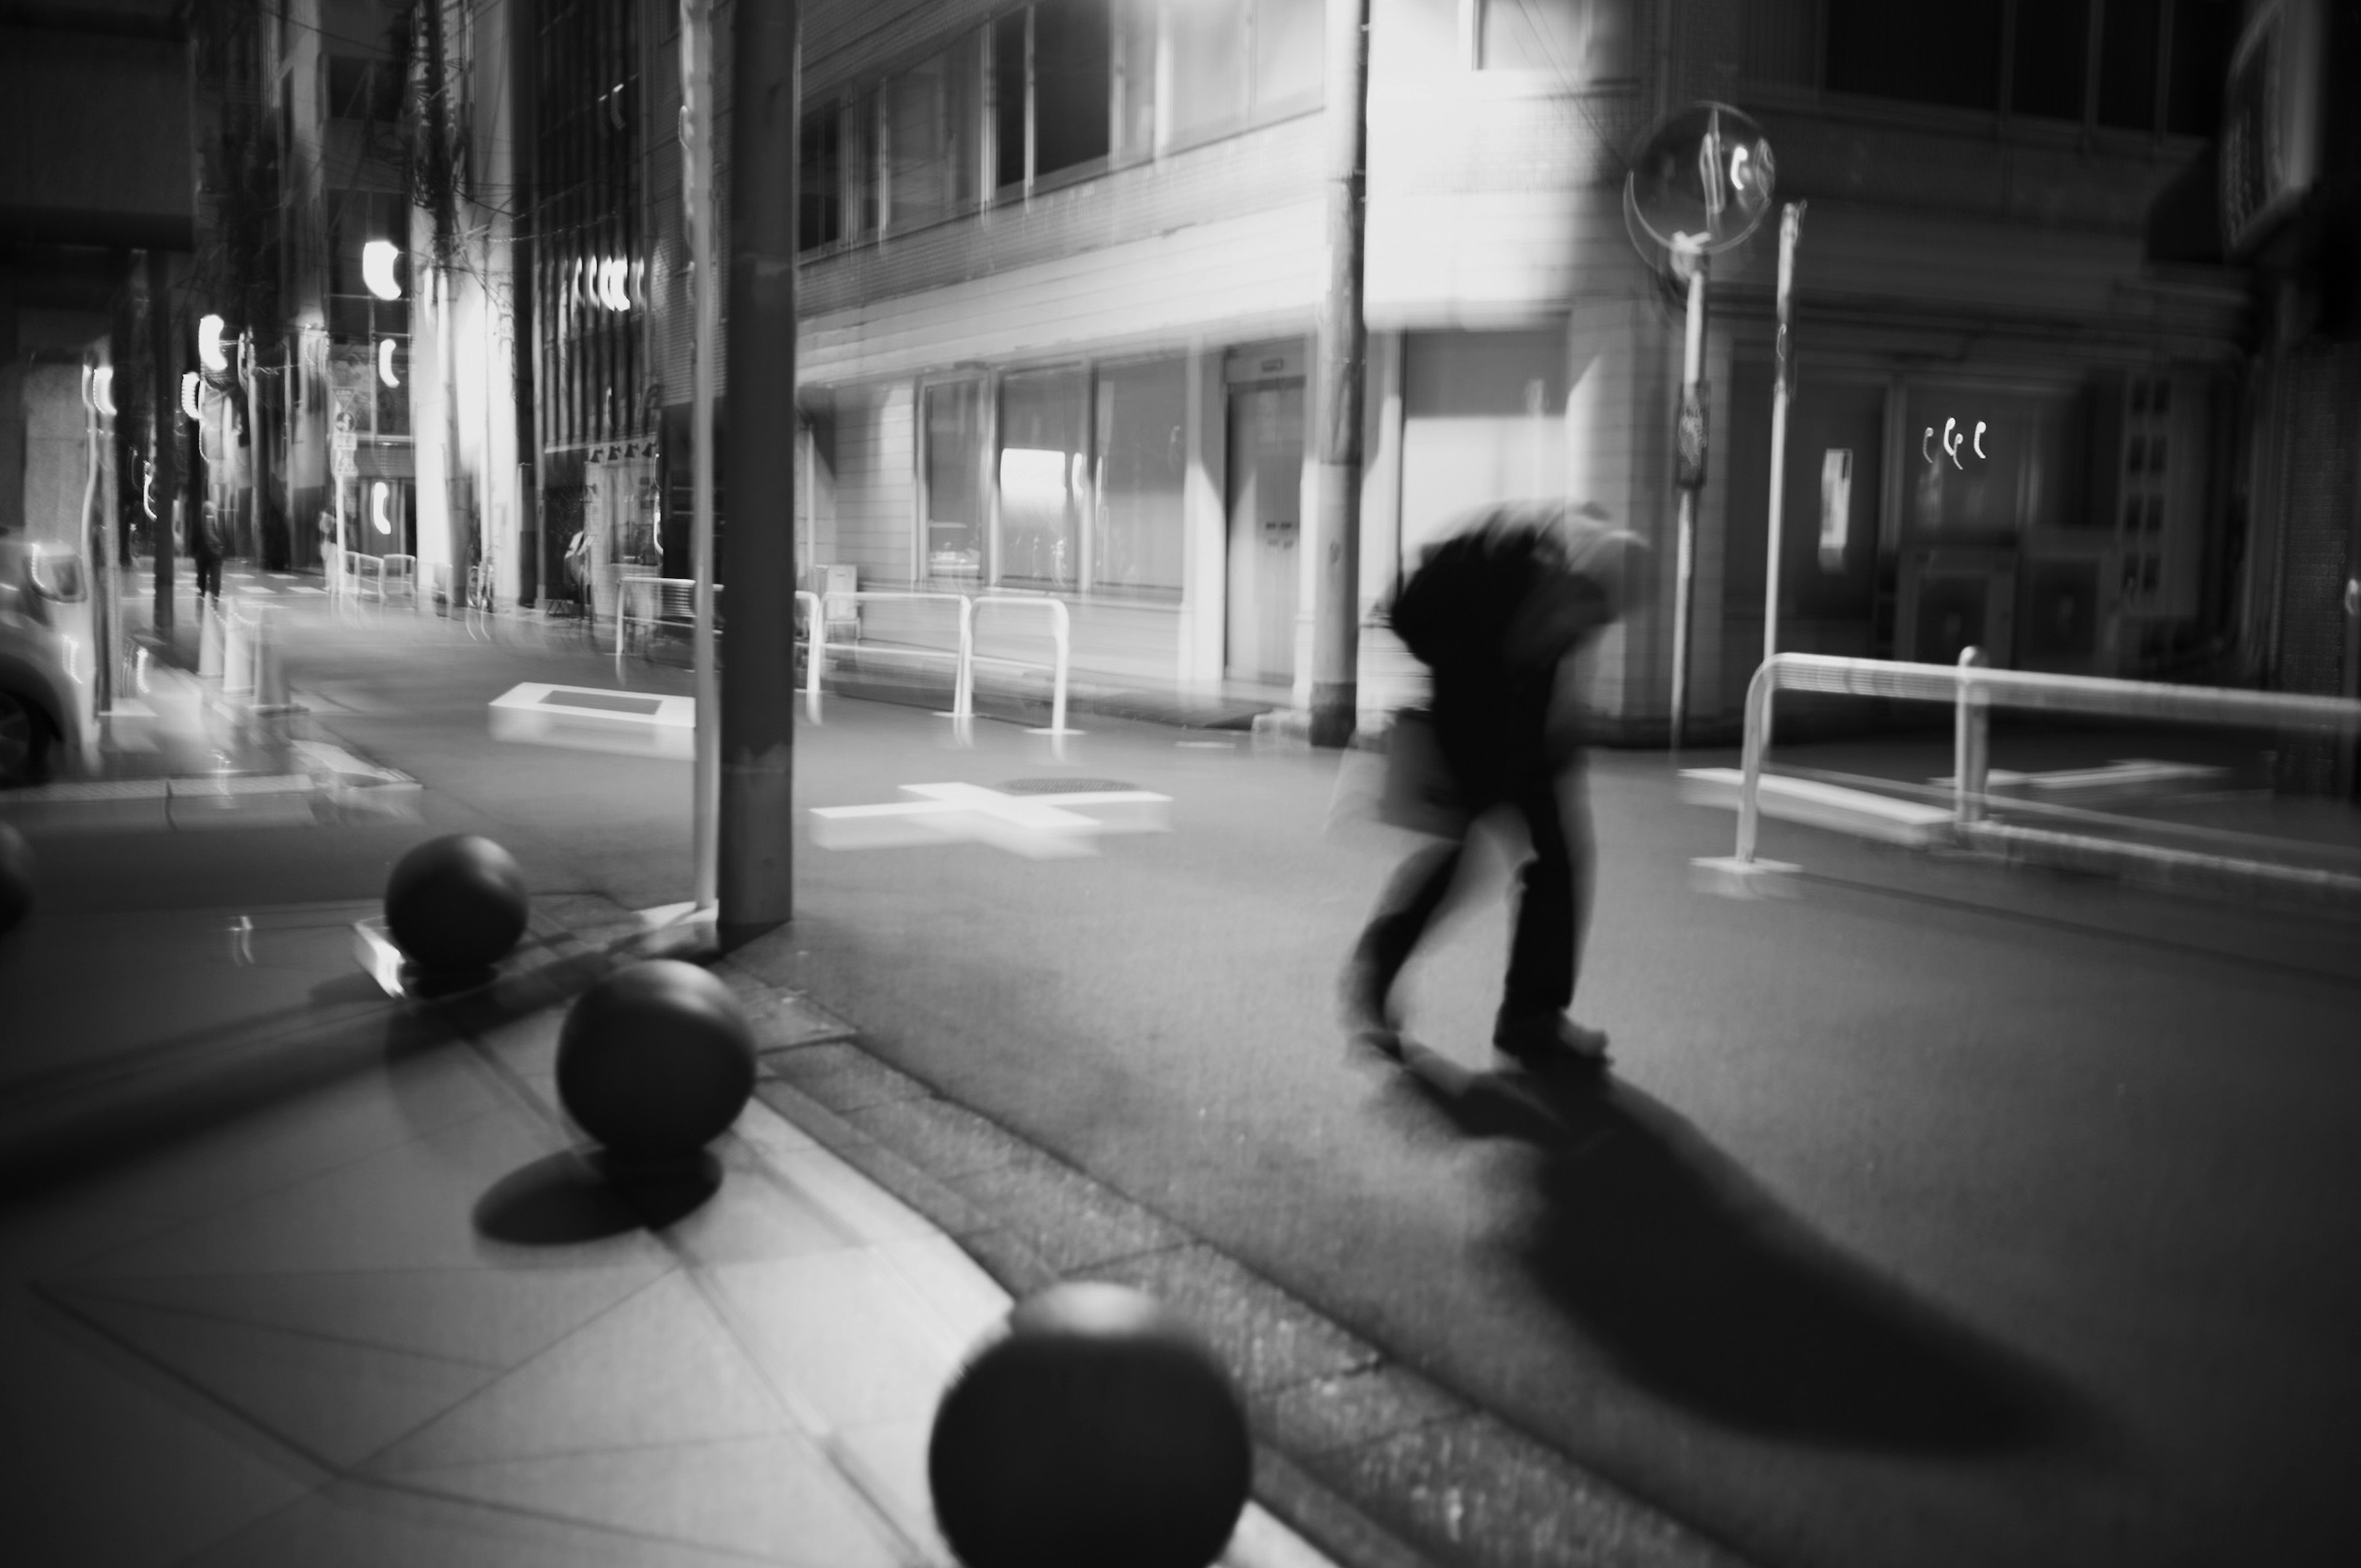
x=1663 y=1252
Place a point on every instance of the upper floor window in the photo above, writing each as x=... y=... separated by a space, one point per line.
x=1575 y=40
x=2140 y=65
x=360 y=89
x=1052 y=90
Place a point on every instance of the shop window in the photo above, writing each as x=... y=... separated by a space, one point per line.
x=954 y=469
x=1071 y=84
x=1989 y=467
x=1042 y=474
x=1575 y=40
x=932 y=120
x=1142 y=434
x=820 y=216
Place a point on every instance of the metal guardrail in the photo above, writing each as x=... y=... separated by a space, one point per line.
x=1061 y=636
x=648 y=600
x=964 y=656
x=1974 y=689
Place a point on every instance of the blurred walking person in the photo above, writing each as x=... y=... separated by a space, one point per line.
x=1496 y=611
x=205 y=549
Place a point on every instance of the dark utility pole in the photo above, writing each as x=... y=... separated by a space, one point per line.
x=1342 y=349
x=758 y=735
x=525 y=39
x=164 y=340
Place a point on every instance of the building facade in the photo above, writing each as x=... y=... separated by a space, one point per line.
x=1060 y=266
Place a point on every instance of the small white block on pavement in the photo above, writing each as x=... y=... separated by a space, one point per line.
x=1039 y=826
x=637 y=724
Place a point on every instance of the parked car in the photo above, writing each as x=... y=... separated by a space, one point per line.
x=48 y=690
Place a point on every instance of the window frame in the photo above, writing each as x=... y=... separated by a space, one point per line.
x=2086 y=130
x=1472 y=20
x=1124 y=78
x=990 y=387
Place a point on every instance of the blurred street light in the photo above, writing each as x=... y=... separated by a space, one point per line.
x=384 y=363
x=209 y=344
x=378 y=258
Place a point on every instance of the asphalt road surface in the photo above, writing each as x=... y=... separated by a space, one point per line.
x=1938 y=1215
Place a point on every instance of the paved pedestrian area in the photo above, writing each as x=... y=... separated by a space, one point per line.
x=402 y=1320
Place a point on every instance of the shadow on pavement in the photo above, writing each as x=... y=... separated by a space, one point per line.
x=568 y=1198
x=1668 y=1255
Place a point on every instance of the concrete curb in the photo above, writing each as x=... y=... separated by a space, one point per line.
x=1367 y=1459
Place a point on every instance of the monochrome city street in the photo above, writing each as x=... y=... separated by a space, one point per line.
x=1269 y=781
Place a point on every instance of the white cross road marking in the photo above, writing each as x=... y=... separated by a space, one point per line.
x=1039 y=826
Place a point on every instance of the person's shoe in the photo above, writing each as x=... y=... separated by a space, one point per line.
x=1551 y=1041
x=1369 y=1019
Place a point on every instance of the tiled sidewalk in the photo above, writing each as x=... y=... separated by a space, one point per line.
x=400 y=1321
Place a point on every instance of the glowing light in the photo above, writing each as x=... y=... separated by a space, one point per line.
x=191 y=388
x=209 y=344
x=148 y=491
x=378 y=258
x=1740 y=156
x=1980 y=438
x=1030 y=477
x=384 y=363
x=102 y=390
x=1952 y=444
x=377 y=507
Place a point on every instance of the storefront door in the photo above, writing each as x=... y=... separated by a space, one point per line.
x=1266 y=488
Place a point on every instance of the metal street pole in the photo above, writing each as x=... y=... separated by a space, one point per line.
x=1791 y=226
x=1690 y=457
x=696 y=97
x=1343 y=347
x=164 y=489
x=758 y=712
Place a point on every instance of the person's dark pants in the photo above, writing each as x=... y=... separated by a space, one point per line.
x=1552 y=890
x=209 y=574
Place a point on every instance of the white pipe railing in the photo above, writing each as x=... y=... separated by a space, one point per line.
x=1060 y=637
x=816 y=650
x=1976 y=689
x=635 y=591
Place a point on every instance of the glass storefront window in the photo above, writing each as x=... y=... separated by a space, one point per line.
x=954 y=460
x=1988 y=467
x=1043 y=473
x=1142 y=430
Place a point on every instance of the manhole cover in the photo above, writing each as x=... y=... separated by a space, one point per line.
x=1064 y=786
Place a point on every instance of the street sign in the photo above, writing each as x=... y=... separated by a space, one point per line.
x=343 y=465
x=343 y=441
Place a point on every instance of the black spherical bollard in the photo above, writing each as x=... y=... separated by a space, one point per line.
x=15 y=879
x=1093 y=1429
x=456 y=904
x=656 y=1061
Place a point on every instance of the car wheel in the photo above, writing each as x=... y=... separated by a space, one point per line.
x=24 y=742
